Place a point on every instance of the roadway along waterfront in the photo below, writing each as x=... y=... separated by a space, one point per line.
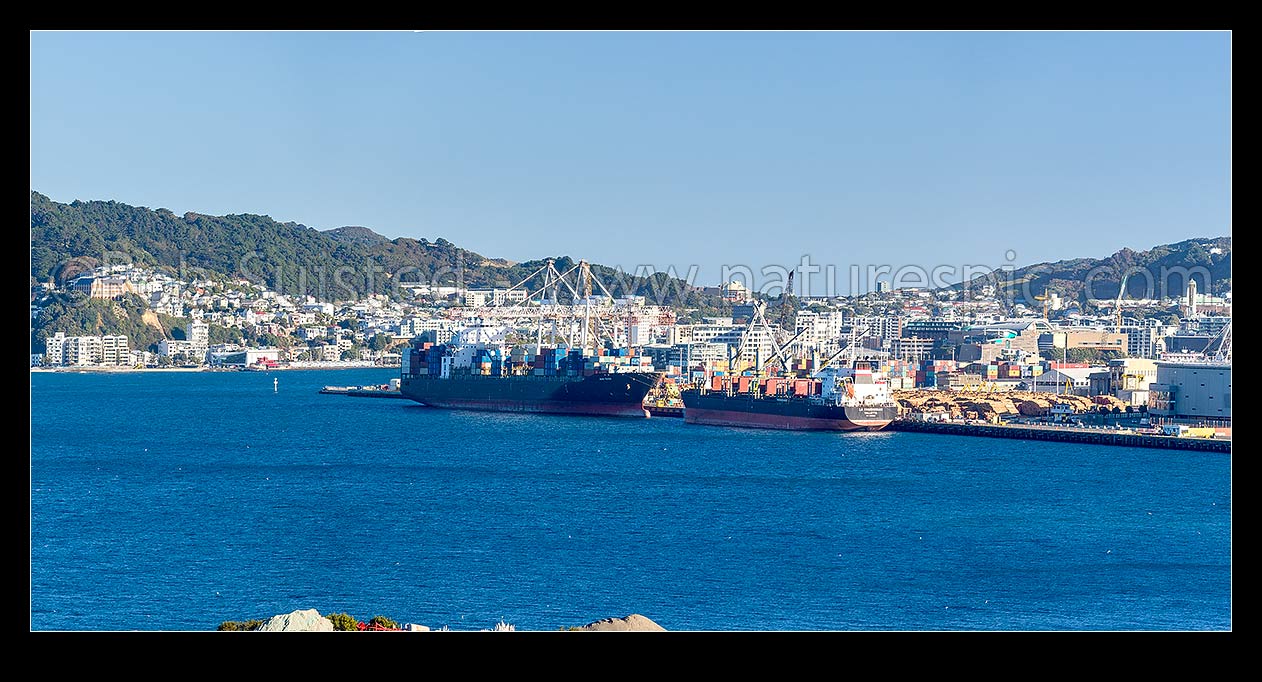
x=1064 y=434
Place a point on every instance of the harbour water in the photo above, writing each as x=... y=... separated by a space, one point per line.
x=177 y=501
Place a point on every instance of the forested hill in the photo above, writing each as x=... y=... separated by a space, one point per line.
x=339 y=264
x=1154 y=273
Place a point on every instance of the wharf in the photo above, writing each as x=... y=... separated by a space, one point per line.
x=1063 y=434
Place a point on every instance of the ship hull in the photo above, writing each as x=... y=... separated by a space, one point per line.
x=786 y=414
x=601 y=395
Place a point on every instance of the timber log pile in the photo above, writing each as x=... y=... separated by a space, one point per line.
x=991 y=405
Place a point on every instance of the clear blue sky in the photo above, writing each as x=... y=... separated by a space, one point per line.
x=661 y=148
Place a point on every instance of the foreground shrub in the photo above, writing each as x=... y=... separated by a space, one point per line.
x=239 y=625
x=343 y=622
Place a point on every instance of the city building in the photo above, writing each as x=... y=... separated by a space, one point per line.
x=1016 y=335
x=931 y=328
x=733 y=291
x=247 y=357
x=142 y=358
x=54 y=350
x=1144 y=340
x=474 y=298
x=817 y=329
x=641 y=333
x=1205 y=325
x=1131 y=374
x=104 y=287
x=86 y=351
x=82 y=351
x=115 y=351
x=1130 y=378
x=181 y=350
x=688 y=355
x=756 y=346
x=879 y=328
x=199 y=336
x=1187 y=390
x=913 y=348
x=509 y=297
x=1069 y=339
x=1186 y=343
x=1063 y=380
x=706 y=330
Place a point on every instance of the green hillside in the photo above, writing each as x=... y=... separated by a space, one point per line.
x=341 y=264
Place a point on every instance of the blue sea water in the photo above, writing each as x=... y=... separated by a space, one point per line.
x=176 y=501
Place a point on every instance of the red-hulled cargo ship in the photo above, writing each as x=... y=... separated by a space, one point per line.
x=849 y=399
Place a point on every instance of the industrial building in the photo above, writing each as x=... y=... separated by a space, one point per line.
x=1188 y=390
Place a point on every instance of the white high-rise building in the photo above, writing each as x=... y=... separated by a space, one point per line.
x=84 y=351
x=198 y=339
x=819 y=330
x=115 y=351
x=54 y=350
x=81 y=351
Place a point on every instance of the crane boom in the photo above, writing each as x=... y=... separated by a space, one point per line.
x=783 y=320
x=1118 y=306
x=854 y=335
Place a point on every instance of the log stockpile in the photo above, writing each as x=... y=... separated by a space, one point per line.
x=982 y=405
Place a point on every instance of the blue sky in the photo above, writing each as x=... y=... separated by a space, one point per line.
x=659 y=148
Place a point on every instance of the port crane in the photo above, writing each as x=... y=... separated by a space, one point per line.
x=758 y=322
x=784 y=303
x=1222 y=352
x=548 y=305
x=1045 y=297
x=849 y=348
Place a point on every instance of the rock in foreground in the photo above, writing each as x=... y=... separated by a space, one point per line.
x=309 y=620
x=632 y=623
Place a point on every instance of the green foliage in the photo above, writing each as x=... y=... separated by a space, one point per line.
x=943 y=350
x=383 y=622
x=1094 y=355
x=77 y=315
x=222 y=334
x=380 y=342
x=1158 y=272
x=343 y=622
x=287 y=257
x=239 y=625
x=1088 y=355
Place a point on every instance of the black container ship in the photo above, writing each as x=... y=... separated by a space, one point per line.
x=850 y=399
x=551 y=380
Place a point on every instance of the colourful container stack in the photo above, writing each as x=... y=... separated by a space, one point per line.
x=434 y=359
x=488 y=362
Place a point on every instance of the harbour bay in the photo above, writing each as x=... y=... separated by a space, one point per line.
x=178 y=501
